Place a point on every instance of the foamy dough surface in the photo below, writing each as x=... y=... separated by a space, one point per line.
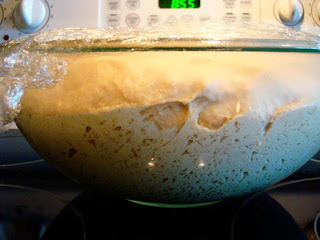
x=178 y=127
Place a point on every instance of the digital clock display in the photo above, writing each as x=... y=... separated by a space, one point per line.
x=179 y=4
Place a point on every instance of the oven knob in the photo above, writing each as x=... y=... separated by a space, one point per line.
x=29 y=15
x=289 y=12
x=316 y=12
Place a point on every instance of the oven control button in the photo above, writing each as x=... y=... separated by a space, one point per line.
x=172 y=19
x=132 y=20
x=288 y=12
x=113 y=20
x=133 y=4
x=113 y=4
x=153 y=19
x=29 y=15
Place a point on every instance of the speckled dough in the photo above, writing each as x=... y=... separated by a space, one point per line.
x=178 y=127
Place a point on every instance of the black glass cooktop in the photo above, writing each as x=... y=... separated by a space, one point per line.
x=288 y=211
x=36 y=202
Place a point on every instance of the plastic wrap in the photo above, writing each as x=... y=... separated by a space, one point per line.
x=23 y=68
x=30 y=63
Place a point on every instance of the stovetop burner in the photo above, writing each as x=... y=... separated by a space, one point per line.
x=259 y=216
x=39 y=203
x=289 y=210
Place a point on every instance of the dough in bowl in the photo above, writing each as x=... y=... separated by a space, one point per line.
x=178 y=127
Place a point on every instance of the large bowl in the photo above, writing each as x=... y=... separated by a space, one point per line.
x=161 y=125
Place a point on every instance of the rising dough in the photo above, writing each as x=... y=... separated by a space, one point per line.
x=178 y=127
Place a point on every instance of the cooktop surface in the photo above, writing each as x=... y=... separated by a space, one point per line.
x=37 y=202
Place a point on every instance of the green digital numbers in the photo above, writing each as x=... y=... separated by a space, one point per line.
x=191 y=4
x=179 y=4
x=182 y=4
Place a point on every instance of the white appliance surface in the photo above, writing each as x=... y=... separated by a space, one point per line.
x=20 y=165
x=20 y=18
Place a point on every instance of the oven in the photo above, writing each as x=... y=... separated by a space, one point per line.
x=38 y=202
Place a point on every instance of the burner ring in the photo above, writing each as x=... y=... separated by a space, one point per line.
x=315 y=160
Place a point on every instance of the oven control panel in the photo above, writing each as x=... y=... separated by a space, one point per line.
x=21 y=18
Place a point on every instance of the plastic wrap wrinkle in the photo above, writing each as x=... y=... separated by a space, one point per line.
x=35 y=62
x=22 y=68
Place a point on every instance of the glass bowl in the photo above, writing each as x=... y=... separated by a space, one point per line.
x=172 y=117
